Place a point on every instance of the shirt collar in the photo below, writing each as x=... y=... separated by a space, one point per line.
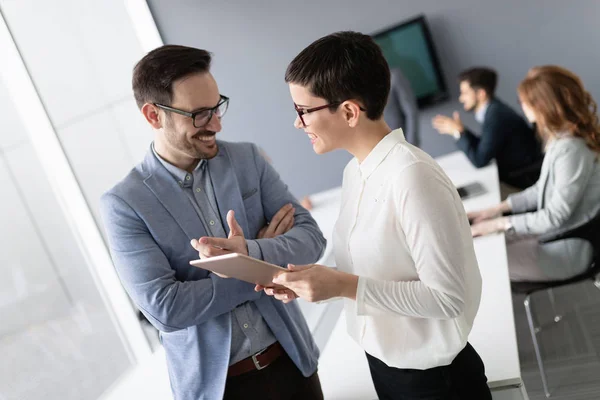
x=184 y=178
x=380 y=152
x=480 y=114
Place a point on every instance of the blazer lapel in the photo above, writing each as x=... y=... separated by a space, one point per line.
x=227 y=189
x=169 y=193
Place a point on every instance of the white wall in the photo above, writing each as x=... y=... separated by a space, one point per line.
x=82 y=72
x=59 y=338
x=80 y=54
x=253 y=42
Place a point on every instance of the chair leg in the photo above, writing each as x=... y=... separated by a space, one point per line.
x=536 y=346
x=557 y=316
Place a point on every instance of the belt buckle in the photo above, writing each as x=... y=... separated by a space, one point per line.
x=256 y=362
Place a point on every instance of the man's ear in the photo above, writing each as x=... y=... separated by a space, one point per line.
x=152 y=115
x=351 y=112
x=482 y=95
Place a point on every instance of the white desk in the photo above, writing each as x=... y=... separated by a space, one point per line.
x=343 y=368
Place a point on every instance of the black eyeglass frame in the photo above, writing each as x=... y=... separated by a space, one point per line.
x=301 y=111
x=192 y=115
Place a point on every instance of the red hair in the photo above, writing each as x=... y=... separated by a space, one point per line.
x=560 y=104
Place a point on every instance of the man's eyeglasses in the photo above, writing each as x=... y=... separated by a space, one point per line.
x=303 y=111
x=202 y=117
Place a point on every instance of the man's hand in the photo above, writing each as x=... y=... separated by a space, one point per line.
x=208 y=247
x=281 y=223
x=448 y=126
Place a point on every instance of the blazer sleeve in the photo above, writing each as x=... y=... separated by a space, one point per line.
x=525 y=200
x=571 y=169
x=481 y=150
x=148 y=278
x=304 y=243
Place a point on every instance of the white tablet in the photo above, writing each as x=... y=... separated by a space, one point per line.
x=241 y=267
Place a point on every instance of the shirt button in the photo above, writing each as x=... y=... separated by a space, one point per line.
x=245 y=326
x=212 y=222
x=187 y=177
x=180 y=183
x=198 y=190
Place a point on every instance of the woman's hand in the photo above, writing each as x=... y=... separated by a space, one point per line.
x=317 y=283
x=285 y=295
x=476 y=217
x=489 y=226
x=496 y=211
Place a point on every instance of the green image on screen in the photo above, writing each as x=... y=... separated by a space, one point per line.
x=406 y=48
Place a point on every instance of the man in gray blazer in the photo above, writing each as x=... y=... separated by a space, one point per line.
x=222 y=338
x=401 y=110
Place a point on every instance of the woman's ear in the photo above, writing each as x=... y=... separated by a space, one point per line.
x=351 y=110
x=151 y=114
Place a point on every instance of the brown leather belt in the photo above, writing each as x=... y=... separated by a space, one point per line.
x=256 y=362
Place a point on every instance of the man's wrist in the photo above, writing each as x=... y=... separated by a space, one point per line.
x=458 y=131
x=253 y=249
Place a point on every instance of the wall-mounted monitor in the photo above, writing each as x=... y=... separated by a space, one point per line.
x=409 y=47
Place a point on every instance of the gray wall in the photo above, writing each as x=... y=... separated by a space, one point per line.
x=253 y=41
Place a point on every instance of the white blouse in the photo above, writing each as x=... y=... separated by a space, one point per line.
x=403 y=230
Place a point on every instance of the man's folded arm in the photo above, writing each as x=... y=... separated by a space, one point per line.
x=304 y=243
x=148 y=278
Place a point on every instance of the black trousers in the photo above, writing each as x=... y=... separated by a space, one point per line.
x=463 y=379
x=278 y=381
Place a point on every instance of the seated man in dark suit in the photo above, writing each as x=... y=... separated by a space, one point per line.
x=505 y=135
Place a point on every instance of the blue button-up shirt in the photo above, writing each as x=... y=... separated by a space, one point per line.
x=250 y=332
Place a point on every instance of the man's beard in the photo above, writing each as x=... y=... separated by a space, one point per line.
x=201 y=149
x=473 y=107
x=195 y=147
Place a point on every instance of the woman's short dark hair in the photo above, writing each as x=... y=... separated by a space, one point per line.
x=343 y=66
x=153 y=75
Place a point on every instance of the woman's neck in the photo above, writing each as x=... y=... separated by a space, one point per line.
x=365 y=138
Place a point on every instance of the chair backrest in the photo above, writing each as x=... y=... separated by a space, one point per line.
x=589 y=231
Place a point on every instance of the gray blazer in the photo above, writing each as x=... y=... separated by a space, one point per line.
x=567 y=193
x=401 y=110
x=150 y=222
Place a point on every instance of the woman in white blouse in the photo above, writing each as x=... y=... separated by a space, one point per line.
x=403 y=246
x=568 y=190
